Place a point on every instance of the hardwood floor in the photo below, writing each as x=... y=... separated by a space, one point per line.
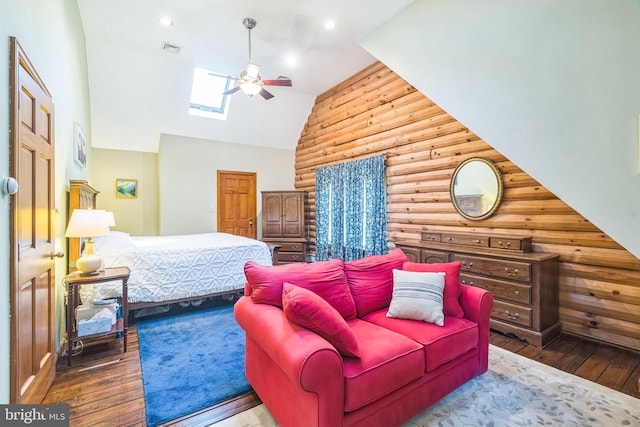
x=104 y=386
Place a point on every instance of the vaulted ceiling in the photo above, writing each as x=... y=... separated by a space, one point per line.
x=139 y=91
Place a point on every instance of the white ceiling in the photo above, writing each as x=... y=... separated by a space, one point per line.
x=139 y=92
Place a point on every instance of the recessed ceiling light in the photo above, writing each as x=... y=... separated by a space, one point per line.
x=166 y=21
x=329 y=24
x=290 y=60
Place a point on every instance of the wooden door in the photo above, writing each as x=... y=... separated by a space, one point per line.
x=32 y=233
x=237 y=203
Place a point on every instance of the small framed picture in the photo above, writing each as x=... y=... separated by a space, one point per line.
x=126 y=188
x=79 y=146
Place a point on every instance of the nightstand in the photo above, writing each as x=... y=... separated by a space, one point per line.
x=73 y=282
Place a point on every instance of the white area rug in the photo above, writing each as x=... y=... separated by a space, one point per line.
x=516 y=391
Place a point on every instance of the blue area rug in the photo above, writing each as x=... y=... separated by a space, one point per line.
x=190 y=362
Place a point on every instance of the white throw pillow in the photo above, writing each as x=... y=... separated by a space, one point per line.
x=417 y=296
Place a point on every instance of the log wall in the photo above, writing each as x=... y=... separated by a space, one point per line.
x=376 y=112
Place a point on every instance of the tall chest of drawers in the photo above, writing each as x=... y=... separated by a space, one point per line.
x=524 y=284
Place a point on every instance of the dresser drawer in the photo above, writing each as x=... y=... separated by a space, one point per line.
x=508 y=291
x=522 y=244
x=291 y=247
x=465 y=239
x=290 y=257
x=499 y=268
x=430 y=237
x=512 y=313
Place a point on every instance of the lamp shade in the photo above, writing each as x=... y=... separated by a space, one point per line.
x=87 y=223
x=111 y=220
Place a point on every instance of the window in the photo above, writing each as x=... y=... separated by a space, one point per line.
x=351 y=210
x=207 y=94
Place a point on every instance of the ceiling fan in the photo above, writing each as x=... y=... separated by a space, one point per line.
x=250 y=80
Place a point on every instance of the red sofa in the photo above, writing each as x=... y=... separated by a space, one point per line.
x=299 y=353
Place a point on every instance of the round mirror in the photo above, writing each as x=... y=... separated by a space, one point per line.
x=476 y=188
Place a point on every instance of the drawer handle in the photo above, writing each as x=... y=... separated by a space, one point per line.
x=448 y=238
x=467 y=266
x=516 y=292
x=504 y=245
x=464 y=282
x=476 y=241
x=513 y=316
x=511 y=273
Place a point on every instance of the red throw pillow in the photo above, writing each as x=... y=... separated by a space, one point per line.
x=371 y=280
x=451 y=283
x=325 y=278
x=311 y=311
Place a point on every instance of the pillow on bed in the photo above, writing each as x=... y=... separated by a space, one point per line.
x=115 y=242
x=451 y=283
x=309 y=310
x=325 y=278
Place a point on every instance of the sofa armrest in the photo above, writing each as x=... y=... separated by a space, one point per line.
x=477 y=305
x=310 y=363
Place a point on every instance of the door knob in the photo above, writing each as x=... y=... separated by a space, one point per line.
x=58 y=254
x=9 y=186
x=251 y=220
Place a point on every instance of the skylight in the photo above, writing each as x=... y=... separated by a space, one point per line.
x=207 y=94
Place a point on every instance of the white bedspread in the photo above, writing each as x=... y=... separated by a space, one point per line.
x=166 y=268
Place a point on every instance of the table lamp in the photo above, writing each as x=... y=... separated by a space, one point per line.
x=111 y=220
x=88 y=223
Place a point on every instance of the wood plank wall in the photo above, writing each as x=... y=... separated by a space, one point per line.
x=377 y=112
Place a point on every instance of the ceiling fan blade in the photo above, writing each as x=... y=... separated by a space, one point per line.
x=231 y=91
x=265 y=94
x=278 y=82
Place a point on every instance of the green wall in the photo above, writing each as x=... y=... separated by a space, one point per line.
x=139 y=216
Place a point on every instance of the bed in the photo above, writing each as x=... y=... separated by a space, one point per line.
x=169 y=269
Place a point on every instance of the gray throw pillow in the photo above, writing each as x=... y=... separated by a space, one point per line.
x=417 y=296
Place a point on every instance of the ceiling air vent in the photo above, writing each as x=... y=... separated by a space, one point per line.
x=171 y=48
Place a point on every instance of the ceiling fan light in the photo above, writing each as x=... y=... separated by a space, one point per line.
x=250 y=88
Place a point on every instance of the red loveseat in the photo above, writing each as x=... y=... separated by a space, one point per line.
x=322 y=351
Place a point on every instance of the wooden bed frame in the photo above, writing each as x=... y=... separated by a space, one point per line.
x=83 y=196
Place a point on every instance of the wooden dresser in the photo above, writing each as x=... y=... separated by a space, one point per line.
x=284 y=224
x=524 y=284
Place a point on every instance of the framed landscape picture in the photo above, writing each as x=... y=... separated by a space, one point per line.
x=79 y=146
x=126 y=188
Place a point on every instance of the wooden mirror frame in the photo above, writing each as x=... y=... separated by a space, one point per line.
x=498 y=198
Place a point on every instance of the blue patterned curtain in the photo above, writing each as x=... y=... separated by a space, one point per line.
x=351 y=210
x=323 y=210
x=375 y=221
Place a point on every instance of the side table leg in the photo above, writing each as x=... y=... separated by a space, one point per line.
x=70 y=318
x=125 y=310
